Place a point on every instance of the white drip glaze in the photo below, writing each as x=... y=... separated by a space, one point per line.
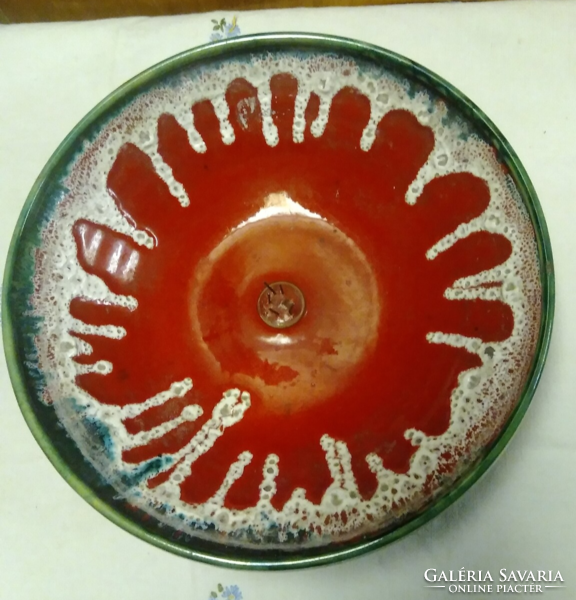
x=476 y=402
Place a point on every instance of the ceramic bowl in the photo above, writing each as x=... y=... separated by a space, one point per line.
x=278 y=300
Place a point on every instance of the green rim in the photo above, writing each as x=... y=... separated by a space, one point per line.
x=82 y=476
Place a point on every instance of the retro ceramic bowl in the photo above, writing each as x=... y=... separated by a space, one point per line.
x=278 y=300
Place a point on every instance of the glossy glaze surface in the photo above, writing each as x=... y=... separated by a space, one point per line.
x=410 y=242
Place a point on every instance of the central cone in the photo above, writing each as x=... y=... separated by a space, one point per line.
x=322 y=349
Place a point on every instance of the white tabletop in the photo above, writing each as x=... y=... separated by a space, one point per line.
x=517 y=61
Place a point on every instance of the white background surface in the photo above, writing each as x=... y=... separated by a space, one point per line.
x=517 y=61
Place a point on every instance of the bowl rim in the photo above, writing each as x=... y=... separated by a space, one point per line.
x=233 y=556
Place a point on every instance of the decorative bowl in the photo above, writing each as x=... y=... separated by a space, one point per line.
x=278 y=300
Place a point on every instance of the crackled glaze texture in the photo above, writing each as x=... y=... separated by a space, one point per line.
x=407 y=238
